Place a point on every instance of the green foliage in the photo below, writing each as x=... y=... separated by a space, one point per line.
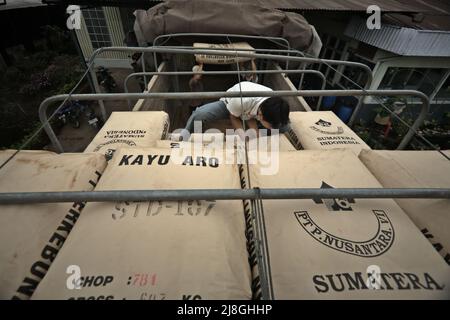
x=55 y=69
x=380 y=136
x=37 y=142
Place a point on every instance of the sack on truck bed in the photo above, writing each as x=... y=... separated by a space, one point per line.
x=130 y=129
x=209 y=145
x=343 y=248
x=31 y=235
x=222 y=59
x=417 y=169
x=283 y=144
x=158 y=249
x=216 y=142
x=316 y=130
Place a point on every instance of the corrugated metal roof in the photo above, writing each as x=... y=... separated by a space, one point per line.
x=20 y=4
x=436 y=12
x=400 y=40
x=412 y=6
x=424 y=22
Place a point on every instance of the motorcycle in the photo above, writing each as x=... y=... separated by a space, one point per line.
x=105 y=79
x=92 y=118
x=70 y=113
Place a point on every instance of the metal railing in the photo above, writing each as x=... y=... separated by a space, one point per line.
x=234 y=53
x=277 y=40
x=222 y=35
x=168 y=73
x=216 y=95
x=220 y=194
x=225 y=194
x=234 y=50
x=101 y=97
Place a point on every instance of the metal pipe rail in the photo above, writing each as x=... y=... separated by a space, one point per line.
x=233 y=53
x=223 y=35
x=216 y=95
x=263 y=50
x=139 y=74
x=220 y=194
x=235 y=49
x=296 y=52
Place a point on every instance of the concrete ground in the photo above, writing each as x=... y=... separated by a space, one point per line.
x=77 y=139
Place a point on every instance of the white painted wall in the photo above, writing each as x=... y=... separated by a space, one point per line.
x=108 y=59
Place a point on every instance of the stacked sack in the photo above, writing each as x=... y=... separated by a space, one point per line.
x=417 y=169
x=32 y=234
x=339 y=248
x=130 y=129
x=157 y=249
x=322 y=130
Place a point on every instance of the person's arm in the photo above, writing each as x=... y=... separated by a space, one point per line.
x=236 y=122
x=253 y=124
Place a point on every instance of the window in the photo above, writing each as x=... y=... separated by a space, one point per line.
x=333 y=48
x=97 y=27
x=420 y=79
x=355 y=74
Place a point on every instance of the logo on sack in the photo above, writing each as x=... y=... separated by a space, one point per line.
x=109 y=154
x=355 y=241
x=326 y=127
x=339 y=204
x=323 y=123
x=129 y=143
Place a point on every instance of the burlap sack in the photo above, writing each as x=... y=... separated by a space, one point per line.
x=32 y=235
x=208 y=145
x=417 y=169
x=130 y=129
x=157 y=250
x=263 y=143
x=206 y=138
x=215 y=146
x=283 y=144
x=341 y=248
x=317 y=130
x=222 y=59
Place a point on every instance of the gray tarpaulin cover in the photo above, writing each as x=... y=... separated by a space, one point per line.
x=207 y=16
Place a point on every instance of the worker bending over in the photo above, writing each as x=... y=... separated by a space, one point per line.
x=267 y=112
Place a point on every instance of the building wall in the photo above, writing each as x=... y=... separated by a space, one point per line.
x=386 y=61
x=116 y=38
x=439 y=104
x=338 y=46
